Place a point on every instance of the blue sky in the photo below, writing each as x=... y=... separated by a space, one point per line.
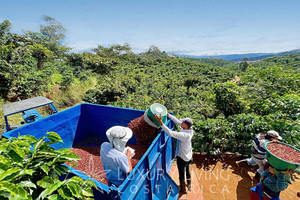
x=195 y=27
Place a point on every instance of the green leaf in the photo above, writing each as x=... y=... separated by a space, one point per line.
x=74 y=188
x=62 y=169
x=55 y=197
x=4 y=193
x=45 y=168
x=54 y=137
x=9 y=172
x=16 y=153
x=28 y=184
x=8 y=187
x=4 y=147
x=87 y=191
x=77 y=180
x=57 y=184
x=65 y=192
x=37 y=162
x=50 y=163
x=38 y=144
x=53 y=174
x=27 y=172
x=15 y=191
x=21 y=143
x=64 y=151
x=21 y=192
x=46 y=153
x=69 y=157
x=45 y=182
x=4 y=166
x=29 y=138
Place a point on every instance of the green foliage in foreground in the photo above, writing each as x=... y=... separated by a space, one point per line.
x=30 y=169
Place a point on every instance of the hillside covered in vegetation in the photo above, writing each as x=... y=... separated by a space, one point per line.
x=229 y=103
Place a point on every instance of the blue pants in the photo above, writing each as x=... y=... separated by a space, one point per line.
x=258 y=189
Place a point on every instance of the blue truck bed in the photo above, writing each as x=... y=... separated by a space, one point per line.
x=148 y=180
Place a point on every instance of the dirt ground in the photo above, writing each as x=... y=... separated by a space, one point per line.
x=220 y=178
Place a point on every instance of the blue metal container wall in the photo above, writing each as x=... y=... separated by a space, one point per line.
x=79 y=122
x=148 y=178
x=64 y=123
x=96 y=119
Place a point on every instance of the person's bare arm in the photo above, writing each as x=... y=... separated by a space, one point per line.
x=128 y=154
x=159 y=119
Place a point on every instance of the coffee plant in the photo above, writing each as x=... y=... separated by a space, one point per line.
x=31 y=169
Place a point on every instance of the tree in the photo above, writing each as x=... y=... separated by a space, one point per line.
x=97 y=64
x=41 y=53
x=53 y=29
x=57 y=49
x=244 y=64
x=113 y=51
x=5 y=27
x=154 y=53
x=5 y=82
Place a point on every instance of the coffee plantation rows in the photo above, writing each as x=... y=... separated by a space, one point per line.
x=229 y=103
x=227 y=113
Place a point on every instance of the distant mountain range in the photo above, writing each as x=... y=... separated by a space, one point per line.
x=239 y=57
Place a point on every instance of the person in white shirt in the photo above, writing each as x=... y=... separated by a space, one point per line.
x=115 y=156
x=184 y=153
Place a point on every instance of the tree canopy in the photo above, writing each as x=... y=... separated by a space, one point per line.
x=53 y=29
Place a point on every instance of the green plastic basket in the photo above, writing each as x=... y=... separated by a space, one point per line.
x=280 y=164
x=158 y=109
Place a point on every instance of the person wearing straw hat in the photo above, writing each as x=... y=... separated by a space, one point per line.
x=115 y=157
x=184 y=153
x=258 y=155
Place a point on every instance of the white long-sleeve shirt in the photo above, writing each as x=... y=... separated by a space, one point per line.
x=184 y=136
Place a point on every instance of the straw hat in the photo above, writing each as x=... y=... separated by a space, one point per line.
x=118 y=136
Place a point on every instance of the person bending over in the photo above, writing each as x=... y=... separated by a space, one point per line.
x=258 y=155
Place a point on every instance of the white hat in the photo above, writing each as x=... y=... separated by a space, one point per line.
x=118 y=136
x=274 y=134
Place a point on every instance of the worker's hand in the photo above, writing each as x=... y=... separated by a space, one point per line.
x=289 y=171
x=271 y=170
x=129 y=154
x=158 y=118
